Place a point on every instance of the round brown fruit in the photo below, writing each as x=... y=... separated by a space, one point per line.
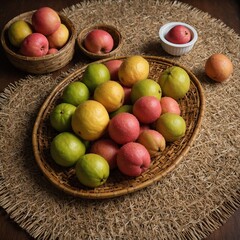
x=218 y=67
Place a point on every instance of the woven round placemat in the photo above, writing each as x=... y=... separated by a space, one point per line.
x=188 y=203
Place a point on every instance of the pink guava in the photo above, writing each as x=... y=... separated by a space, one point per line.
x=123 y=128
x=169 y=104
x=147 y=109
x=106 y=148
x=133 y=159
x=113 y=66
x=153 y=141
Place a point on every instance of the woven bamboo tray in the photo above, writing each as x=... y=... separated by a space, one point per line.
x=192 y=110
x=40 y=65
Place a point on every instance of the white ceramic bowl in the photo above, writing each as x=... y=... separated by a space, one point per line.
x=177 y=49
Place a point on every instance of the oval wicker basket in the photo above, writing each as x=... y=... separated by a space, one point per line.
x=47 y=63
x=117 y=38
x=192 y=110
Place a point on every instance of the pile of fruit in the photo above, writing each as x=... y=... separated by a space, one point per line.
x=45 y=34
x=116 y=117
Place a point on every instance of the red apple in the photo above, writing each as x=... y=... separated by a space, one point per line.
x=169 y=104
x=99 y=41
x=52 y=51
x=123 y=128
x=133 y=159
x=179 y=35
x=147 y=109
x=34 y=45
x=108 y=149
x=59 y=38
x=45 y=20
x=113 y=66
x=153 y=141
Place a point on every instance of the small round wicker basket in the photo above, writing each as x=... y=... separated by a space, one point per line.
x=117 y=38
x=192 y=110
x=40 y=65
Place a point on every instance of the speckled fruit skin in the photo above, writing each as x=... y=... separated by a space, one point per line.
x=169 y=104
x=174 y=82
x=124 y=128
x=171 y=126
x=92 y=170
x=133 y=159
x=218 y=67
x=153 y=141
x=147 y=109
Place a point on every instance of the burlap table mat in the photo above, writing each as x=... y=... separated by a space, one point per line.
x=191 y=201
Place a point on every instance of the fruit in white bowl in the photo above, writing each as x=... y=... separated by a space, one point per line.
x=99 y=41
x=177 y=49
x=45 y=20
x=34 y=45
x=179 y=34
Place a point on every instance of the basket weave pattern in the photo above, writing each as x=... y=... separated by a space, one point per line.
x=47 y=63
x=192 y=109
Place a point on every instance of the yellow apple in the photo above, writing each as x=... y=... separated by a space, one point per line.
x=59 y=38
x=18 y=31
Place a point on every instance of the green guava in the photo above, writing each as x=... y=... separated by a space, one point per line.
x=92 y=170
x=66 y=148
x=75 y=93
x=146 y=87
x=174 y=82
x=61 y=115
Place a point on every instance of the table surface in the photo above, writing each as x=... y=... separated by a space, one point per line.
x=227 y=11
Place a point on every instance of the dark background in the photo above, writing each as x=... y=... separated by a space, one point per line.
x=228 y=11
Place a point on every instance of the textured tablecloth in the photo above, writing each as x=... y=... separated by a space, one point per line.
x=188 y=203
